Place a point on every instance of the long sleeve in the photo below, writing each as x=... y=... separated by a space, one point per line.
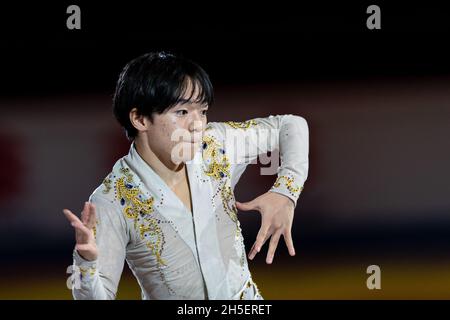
x=245 y=141
x=99 y=279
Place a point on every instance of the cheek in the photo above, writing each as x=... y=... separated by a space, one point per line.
x=160 y=136
x=178 y=124
x=167 y=130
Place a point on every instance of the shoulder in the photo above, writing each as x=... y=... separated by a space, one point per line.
x=105 y=195
x=231 y=125
x=105 y=192
x=295 y=118
x=108 y=208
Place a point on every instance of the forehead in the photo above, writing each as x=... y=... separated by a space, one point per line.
x=191 y=91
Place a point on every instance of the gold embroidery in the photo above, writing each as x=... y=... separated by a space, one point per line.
x=256 y=288
x=84 y=272
x=153 y=231
x=139 y=209
x=247 y=286
x=241 y=125
x=127 y=174
x=218 y=167
x=132 y=197
x=229 y=203
x=107 y=184
x=214 y=154
x=288 y=183
x=94 y=229
x=229 y=206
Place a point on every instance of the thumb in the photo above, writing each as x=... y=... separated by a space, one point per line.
x=246 y=206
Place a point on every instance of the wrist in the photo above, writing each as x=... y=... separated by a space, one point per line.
x=87 y=256
x=83 y=258
x=288 y=200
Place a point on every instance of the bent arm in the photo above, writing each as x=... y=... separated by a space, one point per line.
x=245 y=141
x=294 y=150
x=99 y=279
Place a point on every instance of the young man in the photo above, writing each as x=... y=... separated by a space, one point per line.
x=168 y=207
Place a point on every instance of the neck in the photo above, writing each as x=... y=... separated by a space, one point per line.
x=170 y=172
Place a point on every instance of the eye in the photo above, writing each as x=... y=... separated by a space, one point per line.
x=181 y=112
x=204 y=112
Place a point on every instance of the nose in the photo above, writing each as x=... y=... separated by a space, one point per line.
x=196 y=125
x=196 y=130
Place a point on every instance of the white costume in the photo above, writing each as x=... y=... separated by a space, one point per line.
x=176 y=254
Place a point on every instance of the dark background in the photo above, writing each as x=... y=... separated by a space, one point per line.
x=238 y=43
x=377 y=103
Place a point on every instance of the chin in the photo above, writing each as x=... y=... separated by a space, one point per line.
x=186 y=153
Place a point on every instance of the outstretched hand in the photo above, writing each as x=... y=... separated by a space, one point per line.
x=277 y=213
x=84 y=234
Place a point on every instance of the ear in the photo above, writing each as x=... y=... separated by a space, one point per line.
x=138 y=121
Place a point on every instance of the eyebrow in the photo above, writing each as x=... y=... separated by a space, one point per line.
x=183 y=101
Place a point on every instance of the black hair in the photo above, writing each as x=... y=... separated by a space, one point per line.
x=157 y=81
